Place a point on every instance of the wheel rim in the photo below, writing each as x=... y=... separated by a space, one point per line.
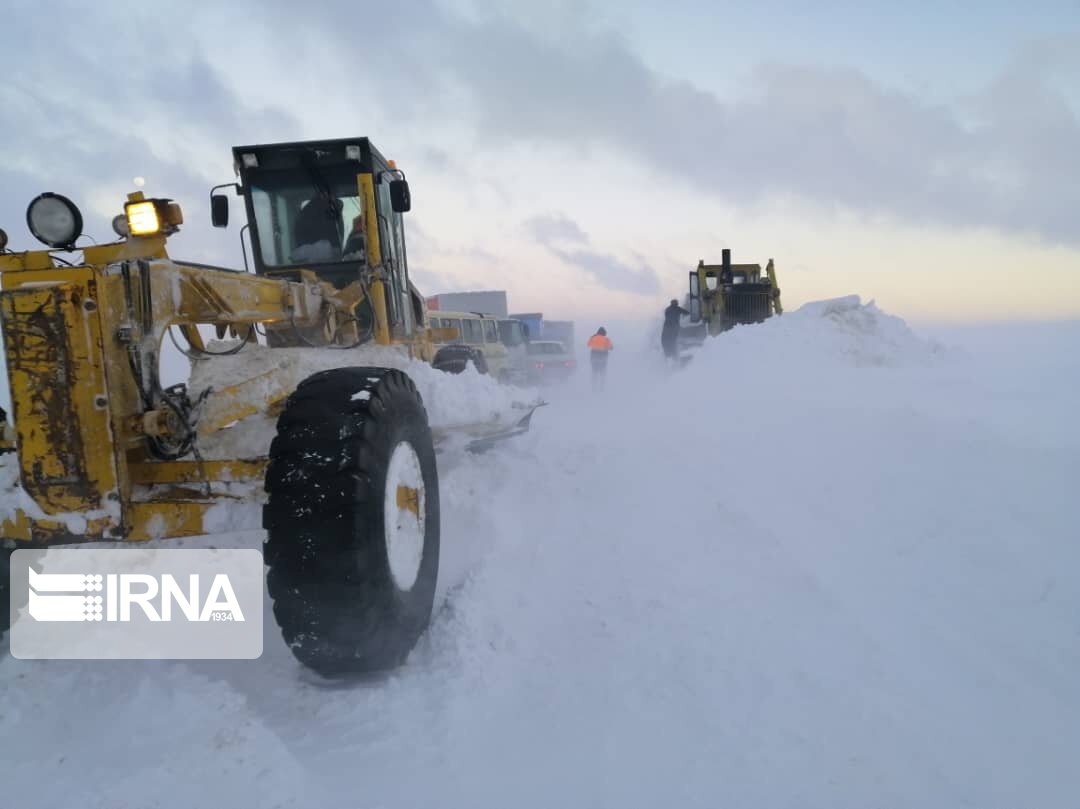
x=404 y=517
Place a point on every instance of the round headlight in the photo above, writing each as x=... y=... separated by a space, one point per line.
x=54 y=220
x=120 y=226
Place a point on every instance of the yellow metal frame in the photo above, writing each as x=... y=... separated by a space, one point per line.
x=79 y=421
x=711 y=302
x=366 y=184
x=81 y=342
x=79 y=418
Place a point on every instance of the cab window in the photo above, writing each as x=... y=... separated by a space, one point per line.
x=451 y=323
x=473 y=332
x=491 y=333
x=511 y=333
x=545 y=348
x=307 y=217
x=397 y=280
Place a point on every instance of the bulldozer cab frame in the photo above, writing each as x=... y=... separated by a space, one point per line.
x=725 y=295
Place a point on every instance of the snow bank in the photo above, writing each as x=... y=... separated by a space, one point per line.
x=827 y=564
x=838 y=331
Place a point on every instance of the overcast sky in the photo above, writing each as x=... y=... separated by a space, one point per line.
x=585 y=155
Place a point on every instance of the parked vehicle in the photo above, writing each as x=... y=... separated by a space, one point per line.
x=479 y=340
x=533 y=323
x=549 y=362
x=561 y=330
x=513 y=335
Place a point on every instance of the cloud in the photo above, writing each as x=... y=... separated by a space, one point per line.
x=565 y=239
x=828 y=135
x=93 y=120
x=611 y=273
x=1003 y=158
x=555 y=228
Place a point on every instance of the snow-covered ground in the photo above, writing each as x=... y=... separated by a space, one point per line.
x=828 y=564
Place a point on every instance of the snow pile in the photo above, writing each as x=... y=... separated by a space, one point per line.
x=841 y=331
x=824 y=565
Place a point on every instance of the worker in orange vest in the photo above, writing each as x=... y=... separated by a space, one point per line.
x=599 y=348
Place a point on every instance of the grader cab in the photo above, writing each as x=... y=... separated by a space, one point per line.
x=334 y=209
x=106 y=452
x=725 y=295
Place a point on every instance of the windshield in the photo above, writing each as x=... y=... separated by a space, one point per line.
x=546 y=348
x=308 y=216
x=510 y=333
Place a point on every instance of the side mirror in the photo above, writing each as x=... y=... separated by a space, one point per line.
x=400 y=199
x=219 y=204
x=219 y=210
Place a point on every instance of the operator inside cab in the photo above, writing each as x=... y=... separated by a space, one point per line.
x=328 y=207
x=318 y=232
x=308 y=216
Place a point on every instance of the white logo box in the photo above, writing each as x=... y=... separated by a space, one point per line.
x=136 y=604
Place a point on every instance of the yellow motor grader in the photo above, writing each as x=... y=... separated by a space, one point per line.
x=105 y=452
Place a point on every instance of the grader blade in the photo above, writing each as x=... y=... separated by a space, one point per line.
x=483 y=443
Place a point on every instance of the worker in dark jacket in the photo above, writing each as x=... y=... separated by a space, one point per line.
x=669 y=337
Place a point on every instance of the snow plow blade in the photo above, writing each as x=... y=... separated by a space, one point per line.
x=482 y=437
x=479 y=445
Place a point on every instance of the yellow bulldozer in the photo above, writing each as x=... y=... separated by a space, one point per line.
x=105 y=452
x=725 y=295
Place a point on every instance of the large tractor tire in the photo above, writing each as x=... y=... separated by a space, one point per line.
x=352 y=520
x=456 y=358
